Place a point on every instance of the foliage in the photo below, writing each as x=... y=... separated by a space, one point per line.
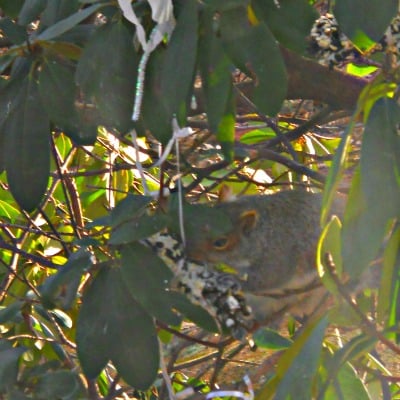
x=84 y=305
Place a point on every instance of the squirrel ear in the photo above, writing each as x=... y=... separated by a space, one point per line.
x=248 y=220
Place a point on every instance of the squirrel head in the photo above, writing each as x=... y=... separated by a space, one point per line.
x=217 y=249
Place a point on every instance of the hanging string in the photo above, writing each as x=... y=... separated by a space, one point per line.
x=141 y=76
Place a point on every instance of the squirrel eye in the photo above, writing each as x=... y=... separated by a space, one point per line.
x=220 y=243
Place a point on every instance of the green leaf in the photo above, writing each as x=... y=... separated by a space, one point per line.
x=389 y=287
x=376 y=185
x=290 y=22
x=63 y=385
x=59 y=290
x=159 y=122
x=297 y=367
x=193 y=312
x=92 y=329
x=8 y=211
x=226 y=128
x=106 y=73
x=336 y=365
x=336 y=171
x=58 y=10
x=348 y=385
x=11 y=7
x=68 y=23
x=138 y=227
x=215 y=70
x=130 y=206
x=7 y=314
x=147 y=279
x=57 y=78
x=247 y=46
x=30 y=11
x=58 y=92
x=356 y=18
x=178 y=68
x=12 y=31
x=9 y=358
x=380 y=160
x=27 y=150
x=270 y=339
x=330 y=243
x=112 y=325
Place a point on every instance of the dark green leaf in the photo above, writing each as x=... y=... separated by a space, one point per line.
x=177 y=71
x=106 y=74
x=356 y=347
x=58 y=10
x=254 y=50
x=30 y=11
x=300 y=363
x=298 y=366
x=389 y=291
x=93 y=325
x=222 y=5
x=193 y=312
x=215 y=70
x=8 y=313
x=147 y=279
x=9 y=357
x=11 y=7
x=348 y=385
x=27 y=148
x=58 y=91
x=138 y=227
x=290 y=22
x=380 y=160
x=59 y=290
x=63 y=385
x=130 y=206
x=68 y=23
x=112 y=325
x=356 y=17
x=376 y=185
x=16 y=33
x=159 y=122
x=270 y=339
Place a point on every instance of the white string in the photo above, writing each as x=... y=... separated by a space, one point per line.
x=139 y=164
x=234 y=393
x=180 y=195
x=162 y=14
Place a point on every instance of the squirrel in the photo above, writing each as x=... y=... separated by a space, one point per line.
x=272 y=247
